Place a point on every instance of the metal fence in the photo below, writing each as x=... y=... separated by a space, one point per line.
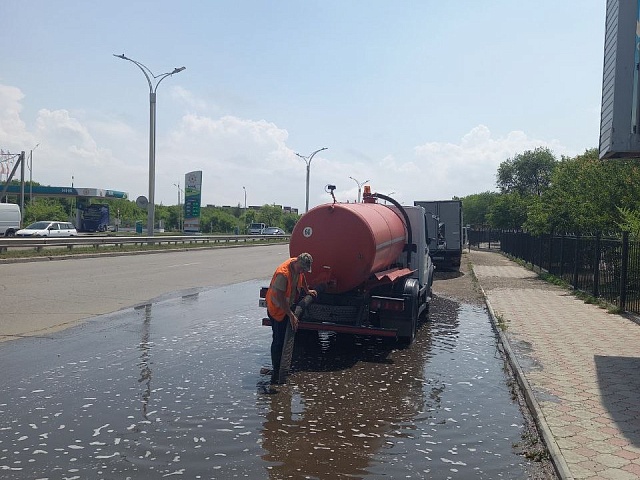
x=484 y=238
x=604 y=267
x=98 y=241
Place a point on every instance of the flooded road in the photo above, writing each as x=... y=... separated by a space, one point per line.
x=173 y=389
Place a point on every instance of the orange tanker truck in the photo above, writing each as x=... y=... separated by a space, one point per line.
x=371 y=266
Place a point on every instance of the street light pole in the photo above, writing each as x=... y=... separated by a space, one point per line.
x=152 y=133
x=31 y=173
x=245 y=212
x=308 y=162
x=360 y=184
x=388 y=195
x=179 y=203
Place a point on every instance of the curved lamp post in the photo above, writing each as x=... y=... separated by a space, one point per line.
x=151 y=210
x=308 y=162
x=360 y=184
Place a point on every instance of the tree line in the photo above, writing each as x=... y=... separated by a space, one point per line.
x=540 y=193
x=213 y=219
x=536 y=192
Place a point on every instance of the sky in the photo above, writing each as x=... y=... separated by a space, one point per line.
x=420 y=99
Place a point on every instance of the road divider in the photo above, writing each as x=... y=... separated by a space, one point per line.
x=97 y=242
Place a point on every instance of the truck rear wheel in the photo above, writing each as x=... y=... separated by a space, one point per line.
x=411 y=288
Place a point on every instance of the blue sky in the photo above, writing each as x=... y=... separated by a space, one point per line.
x=422 y=98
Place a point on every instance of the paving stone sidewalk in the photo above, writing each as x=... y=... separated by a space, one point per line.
x=579 y=365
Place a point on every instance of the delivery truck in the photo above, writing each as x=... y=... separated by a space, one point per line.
x=95 y=218
x=10 y=219
x=371 y=266
x=447 y=238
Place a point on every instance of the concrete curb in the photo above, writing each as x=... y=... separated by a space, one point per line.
x=559 y=463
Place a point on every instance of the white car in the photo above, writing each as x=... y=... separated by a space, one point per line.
x=48 y=229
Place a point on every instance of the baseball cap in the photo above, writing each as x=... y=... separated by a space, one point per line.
x=305 y=260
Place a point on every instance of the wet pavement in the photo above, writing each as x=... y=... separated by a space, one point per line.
x=173 y=389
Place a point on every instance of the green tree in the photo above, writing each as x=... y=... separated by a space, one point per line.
x=508 y=212
x=475 y=208
x=217 y=220
x=587 y=195
x=527 y=173
x=45 y=209
x=289 y=221
x=127 y=211
x=249 y=217
x=163 y=214
x=270 y=215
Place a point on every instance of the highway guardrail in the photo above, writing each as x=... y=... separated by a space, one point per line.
x=101 y=241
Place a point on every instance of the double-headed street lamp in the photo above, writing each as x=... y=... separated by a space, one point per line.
x=308 y=162
x=360 y=184
x=152 y=133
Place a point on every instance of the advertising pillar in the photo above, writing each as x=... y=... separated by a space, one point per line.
x=192 y=197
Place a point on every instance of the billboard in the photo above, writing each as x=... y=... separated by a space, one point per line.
x=620 y=113
x=192 y=199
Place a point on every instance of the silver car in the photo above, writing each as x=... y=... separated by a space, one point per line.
x=273 y=231
x=48 y=229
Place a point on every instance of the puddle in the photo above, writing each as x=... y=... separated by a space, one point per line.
x=173 y=389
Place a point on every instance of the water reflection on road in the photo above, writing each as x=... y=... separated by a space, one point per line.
x=173 y=389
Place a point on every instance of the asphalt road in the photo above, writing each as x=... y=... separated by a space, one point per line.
x=38 y=298
x=174 y=389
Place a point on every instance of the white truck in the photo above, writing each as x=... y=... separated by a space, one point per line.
x=10 y=219
x=256 y=228
x=445 y=231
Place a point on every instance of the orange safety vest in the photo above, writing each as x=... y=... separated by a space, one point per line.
x=284 y=269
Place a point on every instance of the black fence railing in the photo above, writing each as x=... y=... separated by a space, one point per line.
x=484 y=238
x=604 y=267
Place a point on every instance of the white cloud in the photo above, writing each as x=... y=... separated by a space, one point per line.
x=470 y=166
x=188 y=99
x=13 y=134
x=234 y=153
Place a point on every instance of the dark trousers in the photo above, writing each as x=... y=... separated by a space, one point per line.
x=279 y=330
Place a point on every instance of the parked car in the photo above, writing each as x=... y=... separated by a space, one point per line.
x=273 y=231
x=48 y=229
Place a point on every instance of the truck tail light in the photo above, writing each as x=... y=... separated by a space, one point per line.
x=387 y=303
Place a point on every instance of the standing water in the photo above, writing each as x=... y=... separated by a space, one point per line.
x=173 y=389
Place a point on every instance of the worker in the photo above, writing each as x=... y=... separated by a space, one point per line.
x=287 y=284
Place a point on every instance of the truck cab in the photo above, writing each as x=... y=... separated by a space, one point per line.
x=256 y=228
x=421 y=259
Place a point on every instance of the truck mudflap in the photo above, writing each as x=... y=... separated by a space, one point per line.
x=338 y=328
